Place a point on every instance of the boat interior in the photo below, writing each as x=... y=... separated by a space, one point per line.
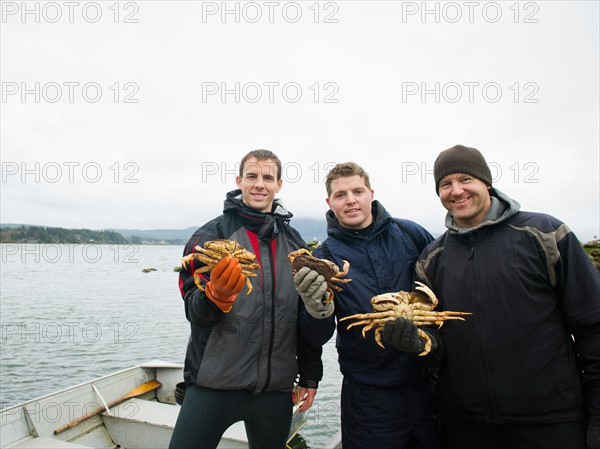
x=133 y=408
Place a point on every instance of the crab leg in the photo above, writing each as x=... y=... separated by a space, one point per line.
x=369 y=324
x=341 y=281
x=250 y=266
x=427 y=339
x=420 y=333
x=370 y=316
x=368 y=328
x=249 y=285
x=197 y=280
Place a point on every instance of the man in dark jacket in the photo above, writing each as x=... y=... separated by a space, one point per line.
x=523 y=371
x=246 y=348
x=387 y=399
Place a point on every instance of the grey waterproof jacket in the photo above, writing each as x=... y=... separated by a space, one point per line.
x=255 y=346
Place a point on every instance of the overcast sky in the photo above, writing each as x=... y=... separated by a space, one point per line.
x=136 y=114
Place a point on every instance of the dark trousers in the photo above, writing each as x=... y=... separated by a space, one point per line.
x=464 y=434
x=205 y=415
x=389 y=417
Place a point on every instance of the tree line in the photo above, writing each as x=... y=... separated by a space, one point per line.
x=43 y=234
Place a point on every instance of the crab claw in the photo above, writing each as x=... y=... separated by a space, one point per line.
x=298 y=252
x=186 y=260
x=345 y=268
x=423 y=288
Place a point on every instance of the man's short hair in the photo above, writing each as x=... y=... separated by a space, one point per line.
x=261 y=155
x=345 y=170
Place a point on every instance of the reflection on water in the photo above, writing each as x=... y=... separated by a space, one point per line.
x=70 y=313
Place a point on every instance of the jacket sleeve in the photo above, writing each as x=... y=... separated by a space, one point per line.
x=310 y=363
x=417 y=233
x=315 y=332
x=423 y=237
x=587 y=342
x=578 y=283
x=198 y=308
x=436 y=356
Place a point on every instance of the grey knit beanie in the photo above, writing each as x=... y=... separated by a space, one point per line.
x=461 y=159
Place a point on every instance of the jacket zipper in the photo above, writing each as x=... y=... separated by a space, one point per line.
x=484 y=355
x=272 y=333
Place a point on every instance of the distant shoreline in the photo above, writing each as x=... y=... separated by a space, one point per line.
x=33 y=234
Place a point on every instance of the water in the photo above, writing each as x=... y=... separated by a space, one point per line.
x=70 y=313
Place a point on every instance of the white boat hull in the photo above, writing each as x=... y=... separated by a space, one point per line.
x=141 y=422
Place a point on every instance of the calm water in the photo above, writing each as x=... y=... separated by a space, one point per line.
x=69 y=313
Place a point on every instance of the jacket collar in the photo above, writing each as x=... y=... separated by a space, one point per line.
x=265 y=224
x=502 y=208
x=381 y=218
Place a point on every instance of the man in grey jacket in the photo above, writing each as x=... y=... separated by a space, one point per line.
x=246 y=347
x=523 y=371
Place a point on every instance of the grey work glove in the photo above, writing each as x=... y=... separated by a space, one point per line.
x=593 y=432
x=312 y=288
x=402 y=334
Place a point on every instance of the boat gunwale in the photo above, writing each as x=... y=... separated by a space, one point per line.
x=152 y=364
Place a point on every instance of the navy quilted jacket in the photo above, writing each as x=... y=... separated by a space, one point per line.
x=382 y=262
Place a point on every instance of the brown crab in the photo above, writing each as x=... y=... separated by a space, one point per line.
x=326 y=268
x=412 y=306
x=214 y=251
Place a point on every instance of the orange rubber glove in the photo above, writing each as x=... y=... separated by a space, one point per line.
x=226 y=281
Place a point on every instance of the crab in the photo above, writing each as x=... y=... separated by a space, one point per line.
x=330 y=271
x=409 y=305
x=214 y=251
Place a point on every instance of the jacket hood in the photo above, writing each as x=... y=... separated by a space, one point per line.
x=262 y=223
x=380 y=218
x=502 y=208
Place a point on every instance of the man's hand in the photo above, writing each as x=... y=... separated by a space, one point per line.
x=402 y=334
x=226 y=281
x=305 y=398
x=312 y=288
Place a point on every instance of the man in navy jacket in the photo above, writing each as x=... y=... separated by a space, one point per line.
x=523 y=371
x=386 y=399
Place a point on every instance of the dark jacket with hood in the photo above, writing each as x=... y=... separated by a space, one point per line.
x=257 y=346
x=530 y=351
x=382 y=261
